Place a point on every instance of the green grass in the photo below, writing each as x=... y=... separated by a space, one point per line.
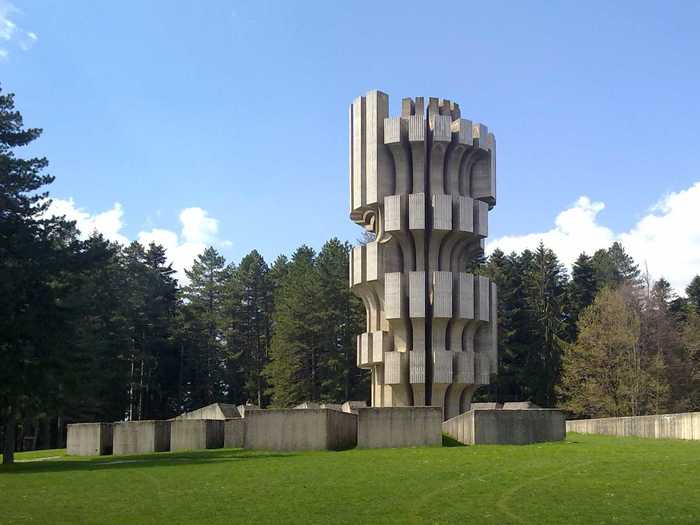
x=586 y=479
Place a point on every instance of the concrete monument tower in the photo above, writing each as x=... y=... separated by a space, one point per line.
x=423 y=183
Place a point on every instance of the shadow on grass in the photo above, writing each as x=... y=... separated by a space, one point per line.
x=162 y=459
x=448 y=441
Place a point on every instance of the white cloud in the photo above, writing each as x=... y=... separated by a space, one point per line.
x=27 y=41
x=667 y=239
x=109 y=223
x=10 y=32
x=198 y=231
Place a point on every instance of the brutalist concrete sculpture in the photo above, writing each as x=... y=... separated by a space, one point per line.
x=423 y=183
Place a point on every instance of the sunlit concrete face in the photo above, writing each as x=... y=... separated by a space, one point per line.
x=423 y=183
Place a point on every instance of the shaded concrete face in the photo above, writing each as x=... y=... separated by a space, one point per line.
x=423 y=183
x=196 y=434
x=664 y=426
x=141 y=437
x=506 y=427
x=89 y=439
x=234 y=433
x=293 y=429
x=396 y=427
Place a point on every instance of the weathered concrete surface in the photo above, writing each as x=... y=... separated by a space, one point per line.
x=141 y=437
x=247 y=407
x=89 y=439
x=351 y=407
x=234 y=433
x=485 y=406
x=663 y=426
x=395 y=427
x=220 y=411
x=196 y=434
x=313 y=404
x=506 y=427
x=293 y=429
x=519 y=405
x=423 y=182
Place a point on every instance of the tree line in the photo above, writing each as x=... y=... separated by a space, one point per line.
x=603 y=341
x=91 y=330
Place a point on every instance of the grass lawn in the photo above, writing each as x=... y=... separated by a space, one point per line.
x=586 y=479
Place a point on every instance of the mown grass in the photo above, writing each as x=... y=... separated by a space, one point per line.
x=586 y=479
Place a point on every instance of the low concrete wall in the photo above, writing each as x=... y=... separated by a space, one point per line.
x=195 y=434
x=141 y=437
x=293 y=429
x=663 y=426
x=234 y=433
x=506 y=427
x=397 y=427
x=89 y=439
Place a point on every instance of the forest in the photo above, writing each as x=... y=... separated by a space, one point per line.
x=91 y=330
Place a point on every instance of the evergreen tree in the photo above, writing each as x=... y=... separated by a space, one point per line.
x=545 y=297
x=294 y=368
x=693 y=292
x=255 y=289
x=36 y=255
x=626 y=269
x=583 y=286
x=102 y=334
x=203 y=344
x=342 y=317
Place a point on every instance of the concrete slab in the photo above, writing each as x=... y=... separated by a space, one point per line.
x=395 y=427
x=89 y=439
x=196 y=434
x=141 y=437
x=294 y=429
x=506 y=427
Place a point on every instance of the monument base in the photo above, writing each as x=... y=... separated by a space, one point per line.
x=396 y=427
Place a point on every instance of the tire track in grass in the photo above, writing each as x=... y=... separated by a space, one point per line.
x=502 y=502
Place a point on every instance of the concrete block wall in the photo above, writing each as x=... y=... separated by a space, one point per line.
x=141 y=437
x=506 y=427
x=196 y=434
x=89 y=439
x=234 y=433
x=663 y=426
x=395 y=427
x=290 y=429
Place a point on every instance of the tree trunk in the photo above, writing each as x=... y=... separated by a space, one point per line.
x=8 y=450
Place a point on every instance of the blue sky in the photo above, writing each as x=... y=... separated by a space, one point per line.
x=236 y=113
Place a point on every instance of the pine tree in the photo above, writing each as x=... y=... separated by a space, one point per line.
x=255 y=288
x=204 y=327
x=583 y=286
x=293 y=370
x=342 y=319
x=545 y=297
x=36 y=252
x=693 y=292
